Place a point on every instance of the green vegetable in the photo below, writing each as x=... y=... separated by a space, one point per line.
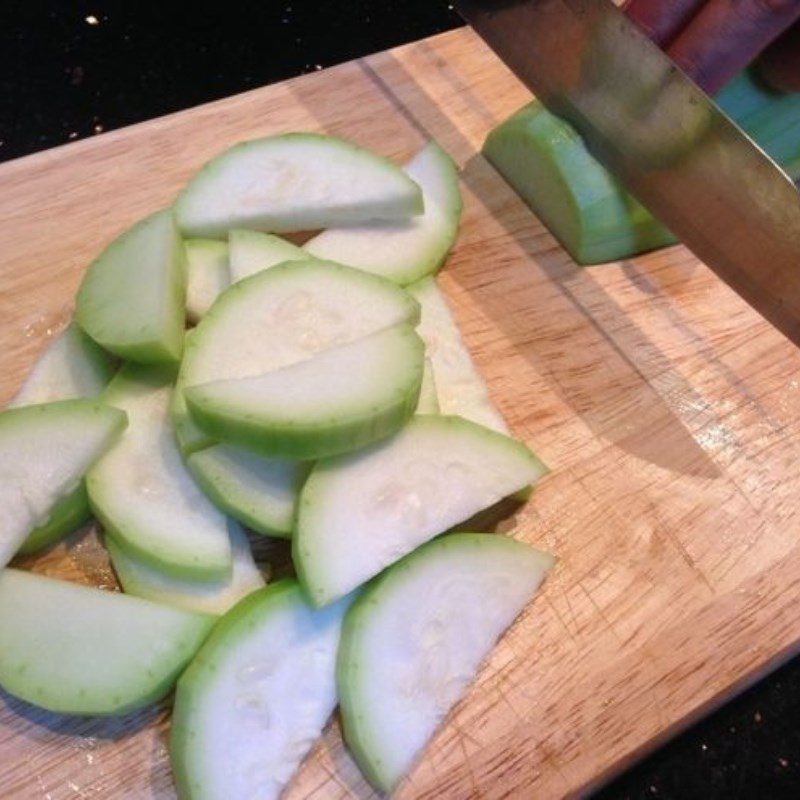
x=294 y=182
x=279 y=317
x=460 y=389
x=403 y=251
x=143 y=494
x=256 y=697
x=546 y=161
x=259 y=492
x=360 y=512
x=336 y=401
x=415 y=638
x=771 y=118
x=44 y=452
x=140 y=579
x=188 y=436
x=252 y=251
x=207 y=275
x=67 y=515
x=131 y=301
x=79 y=650
x=72 y=366
x=428 y=402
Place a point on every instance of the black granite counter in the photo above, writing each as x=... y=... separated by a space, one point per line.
x=74 y=69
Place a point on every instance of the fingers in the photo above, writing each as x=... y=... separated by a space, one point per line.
x=780 y=64
x=660 y=20
x=726 y=35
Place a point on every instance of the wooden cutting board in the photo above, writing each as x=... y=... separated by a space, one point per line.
x=667 y=409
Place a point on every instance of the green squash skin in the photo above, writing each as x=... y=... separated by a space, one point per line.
x=67 y=515
x=322 y=439
x=192 y=684
x=151 y=687
x=596 y=220
x=100 y=308
x=357 y=734
x=211 y=480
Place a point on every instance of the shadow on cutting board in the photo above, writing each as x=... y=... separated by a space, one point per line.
x=553 y=312
x=577 y=338
x=106 y=728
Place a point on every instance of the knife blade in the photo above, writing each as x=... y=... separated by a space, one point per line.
x=662 y=137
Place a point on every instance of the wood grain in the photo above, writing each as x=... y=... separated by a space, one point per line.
x=668 y=410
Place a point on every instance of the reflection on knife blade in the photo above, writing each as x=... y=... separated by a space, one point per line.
x=662 y=137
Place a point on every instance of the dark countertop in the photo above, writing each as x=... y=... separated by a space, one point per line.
x=74 y=69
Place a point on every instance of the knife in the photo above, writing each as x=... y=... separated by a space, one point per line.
x=662 y=137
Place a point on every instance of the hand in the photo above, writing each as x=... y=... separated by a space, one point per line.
x=712 y=40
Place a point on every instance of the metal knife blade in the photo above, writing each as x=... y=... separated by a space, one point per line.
x=666 y=141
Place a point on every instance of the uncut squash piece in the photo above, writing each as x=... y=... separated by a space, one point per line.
x=545 y=160
x=294 y=182
x=131 y=301
x=769 y=117
x=79 y=650
x=547 y=163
